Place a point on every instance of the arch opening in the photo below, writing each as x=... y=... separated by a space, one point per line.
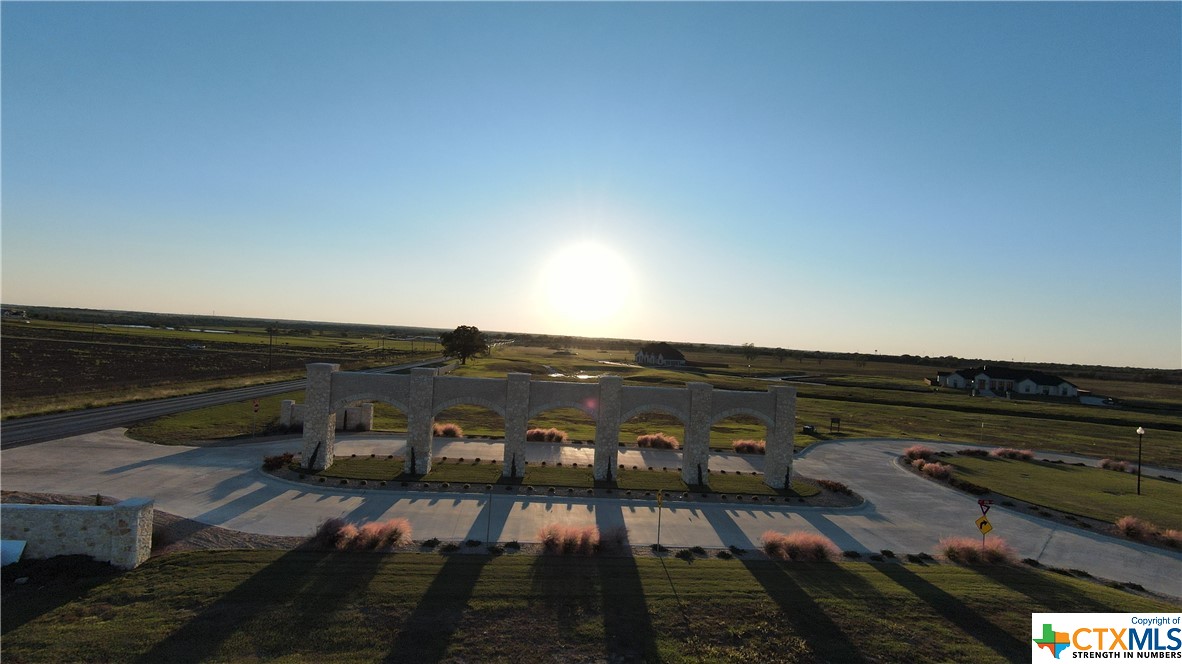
x=737 y=450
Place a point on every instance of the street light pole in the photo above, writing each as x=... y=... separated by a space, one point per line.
x=1140 y=435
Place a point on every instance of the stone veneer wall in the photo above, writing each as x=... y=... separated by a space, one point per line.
x=352 y=418
x=119 y=534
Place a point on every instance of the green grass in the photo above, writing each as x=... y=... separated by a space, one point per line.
x=243 y=606
x=232 y=420
x=1101 y=494
x=469 y=471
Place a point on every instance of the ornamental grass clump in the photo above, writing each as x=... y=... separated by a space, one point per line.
x=919 y=452
x=1114 y=464
x=973 y=452
x=750 y=446
x=658 y=441
x=336 y=533
x=447 y=430
x=550 y=435
x=970 y=551
x=569 y=540
x=1011 y=453
x=937 y=470
x=277 y=461
x=799 y=546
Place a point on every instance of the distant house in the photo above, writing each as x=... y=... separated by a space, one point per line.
x=660 y=355
x=998 y=381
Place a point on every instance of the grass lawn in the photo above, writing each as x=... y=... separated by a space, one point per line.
x=469 y=471
x=229 y=420
x=246 y=606
x=1100 y=494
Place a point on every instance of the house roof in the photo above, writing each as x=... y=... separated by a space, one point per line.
x=664 y=350
x=997 y=372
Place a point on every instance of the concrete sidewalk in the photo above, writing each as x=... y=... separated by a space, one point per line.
x=223 y=486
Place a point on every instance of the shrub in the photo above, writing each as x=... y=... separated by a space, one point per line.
x=1011 y=453
x=697 y=550
x=382 y=534
x=973 y=452
x=550 y=435
x=918 y=464
x=447 y=430
x=919 y=452
x=975 y=489
x=968 y=551
x=327 y=533
x=801 y=546
x=750 y=446
x=725 y=555
x=851 y=554
x=449 y=547
x=569 y=539
x=1112 y=464
x=658 y=441
x=685 y=554
x=1171 y=538
x=939 y=471
x=1134 y=528
x=431 y=543
x=277 y=461
x=835 y=486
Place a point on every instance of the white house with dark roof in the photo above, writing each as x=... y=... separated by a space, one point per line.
x=660 y=355
x=998 y=380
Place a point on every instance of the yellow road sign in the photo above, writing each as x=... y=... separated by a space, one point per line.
x=660 y=498
x=984 y=526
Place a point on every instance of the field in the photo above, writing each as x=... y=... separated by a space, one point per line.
x=53 y=366
x=412 y=607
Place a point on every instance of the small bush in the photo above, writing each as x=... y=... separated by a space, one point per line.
x=277 y=461
x=1134 y=528
x=973 y=452
x=919 y=452
x=473 y=543
x=937 y=470
x=725 y=555
x=550 y=435
x=450 y=547
x=1031 y=562
x=736 y=550
x=658 y=441
x=685 y=554
x=854 y=555
x=1171 y=538
x=447 y=430
x=1112 y=464
x=918 y=464
x=968 y=551
x=431 y=543
x=800 y=546
x=513 y=545
x=749 y=446
x=876 y=557
x=975 y=489
x=327 y=533
x=1011 y=453
x=697 y=550
x=887 y=553
x=835 y=486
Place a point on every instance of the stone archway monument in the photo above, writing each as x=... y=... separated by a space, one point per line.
x=423 y=394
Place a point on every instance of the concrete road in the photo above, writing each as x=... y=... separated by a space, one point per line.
x=223 y=486
x=29 y=430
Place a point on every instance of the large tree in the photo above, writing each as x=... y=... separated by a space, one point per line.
x=463 y=342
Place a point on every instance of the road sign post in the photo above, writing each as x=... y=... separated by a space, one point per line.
x=660 y=501
x=983 y=523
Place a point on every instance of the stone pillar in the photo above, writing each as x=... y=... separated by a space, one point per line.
x=695 y=456
x=366 y=421
x=419 y=420
x=516 y=422
x=131 y=536
x=607 y=428
x=319 y=422
x=285 y=408
x=777 y=465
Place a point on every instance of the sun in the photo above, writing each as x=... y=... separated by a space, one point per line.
x=587 y=285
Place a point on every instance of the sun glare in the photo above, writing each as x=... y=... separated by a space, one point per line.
x=588 y=286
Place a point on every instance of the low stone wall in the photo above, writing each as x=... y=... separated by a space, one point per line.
x=119 y=534
x=352 y=418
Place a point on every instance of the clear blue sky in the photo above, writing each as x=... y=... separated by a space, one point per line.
x=983 y=180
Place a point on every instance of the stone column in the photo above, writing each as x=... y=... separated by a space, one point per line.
x=695 y=456
x=516 y=422
x=607 y=428
x=419 y=420
x=285 y=409
x=777 y=465
x=320 y=423
x=131 y=535
x=366 y=421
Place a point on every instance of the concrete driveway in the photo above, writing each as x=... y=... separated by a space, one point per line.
x=223 y=486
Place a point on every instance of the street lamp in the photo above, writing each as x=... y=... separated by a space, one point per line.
x=1140 y=435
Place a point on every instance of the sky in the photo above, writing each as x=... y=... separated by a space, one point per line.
x=981 y=180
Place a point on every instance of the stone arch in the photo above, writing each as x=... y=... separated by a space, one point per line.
x=368 y=396
x=468 y=401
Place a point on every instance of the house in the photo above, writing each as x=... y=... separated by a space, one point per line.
x=660 y=355
x=1000 y=381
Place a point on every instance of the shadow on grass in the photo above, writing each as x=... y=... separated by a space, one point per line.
x=318 y=582
x=627 y=625
x=958 y=613
x=1042 y=588
x=50 y=584
x=428 y=631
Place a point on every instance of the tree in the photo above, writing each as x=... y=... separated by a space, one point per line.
x=464 y=342
x=781 y=354
x=749 y=352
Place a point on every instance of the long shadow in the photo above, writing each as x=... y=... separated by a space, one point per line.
x=50 y=584
x=839 y=536
x=1043 y=588
x=958 y=613
x=429 y=629
x=200 y=638
x=628 y=632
